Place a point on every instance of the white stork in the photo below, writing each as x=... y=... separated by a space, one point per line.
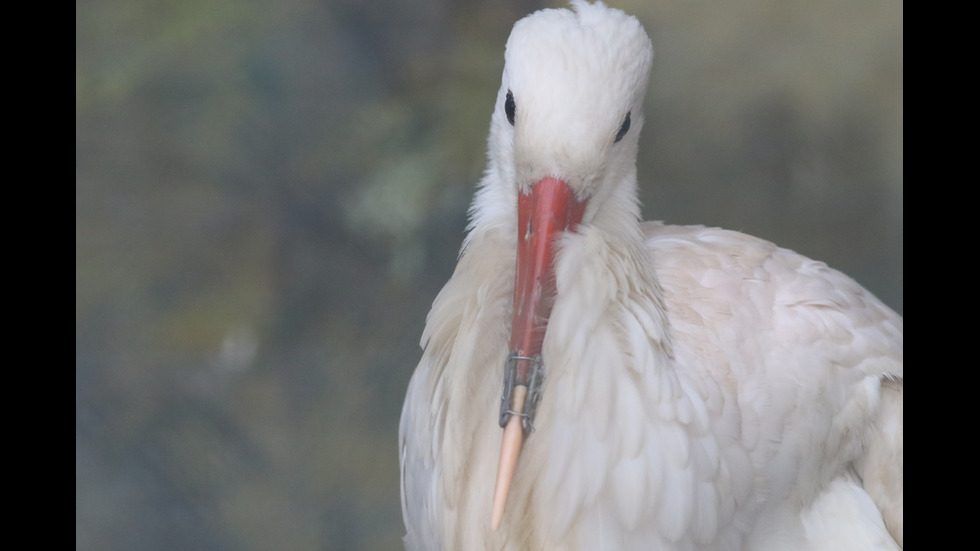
x=671 y=387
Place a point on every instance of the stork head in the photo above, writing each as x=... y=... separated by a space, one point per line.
x=563 y=140
x=570 y=104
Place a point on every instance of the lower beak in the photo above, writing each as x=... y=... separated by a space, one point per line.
x=543 y=214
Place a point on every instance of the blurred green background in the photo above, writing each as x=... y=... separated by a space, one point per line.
x=268 y=196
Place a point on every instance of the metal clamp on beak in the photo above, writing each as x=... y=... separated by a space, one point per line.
x=521 y=397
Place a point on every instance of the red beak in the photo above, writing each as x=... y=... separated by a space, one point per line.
x=550 y=208
x=543 y=214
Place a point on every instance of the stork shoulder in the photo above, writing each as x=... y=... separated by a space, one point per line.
x=715 y=278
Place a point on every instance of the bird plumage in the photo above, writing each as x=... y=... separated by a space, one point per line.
x=705 y=389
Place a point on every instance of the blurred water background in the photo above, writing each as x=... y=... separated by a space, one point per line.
x=268 y=196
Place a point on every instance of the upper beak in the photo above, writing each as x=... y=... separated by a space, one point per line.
x=549 y=209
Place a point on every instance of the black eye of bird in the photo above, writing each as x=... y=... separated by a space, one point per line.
x=623 y=129
x=510 y=107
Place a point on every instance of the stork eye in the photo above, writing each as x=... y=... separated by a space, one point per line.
x=510 y=107
x=623 y=129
